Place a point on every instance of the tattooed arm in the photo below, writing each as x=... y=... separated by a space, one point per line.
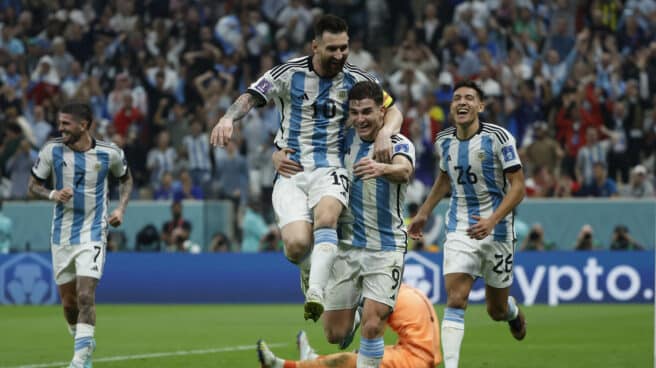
x=223 y=129
x=124 y=189
x=37 y=189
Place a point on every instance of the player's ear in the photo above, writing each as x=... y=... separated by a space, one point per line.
x=315 y=45
x=481 y=107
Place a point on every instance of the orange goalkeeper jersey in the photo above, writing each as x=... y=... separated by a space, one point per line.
x=415 y=322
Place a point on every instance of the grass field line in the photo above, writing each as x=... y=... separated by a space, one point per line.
x=154 y=355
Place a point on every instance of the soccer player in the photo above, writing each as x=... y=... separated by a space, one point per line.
x=369 y=263
x=311 y=94
x=479 y=165
x=79 y=166
x=418 y=345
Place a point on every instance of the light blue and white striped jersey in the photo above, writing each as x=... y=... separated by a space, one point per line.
x=375 y=205
x=198 y=151
x=83 y=219
x=313 y=110
x=476 y=169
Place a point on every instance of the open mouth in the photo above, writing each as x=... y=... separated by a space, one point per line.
x=462 y=112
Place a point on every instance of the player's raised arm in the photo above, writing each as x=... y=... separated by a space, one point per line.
x=392 y=122
x=440 y=188
x=222 y=131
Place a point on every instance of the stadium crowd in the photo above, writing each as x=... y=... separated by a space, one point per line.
x=574 y=81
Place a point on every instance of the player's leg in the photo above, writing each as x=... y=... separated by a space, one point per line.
x=498 y=279
x=290 y=204
x=68 y=296
x=63 y=262
x=458 y=286
x=269 y=360
x=343 y=294
x=381 y=280
x=89 y=266
x=328 y=195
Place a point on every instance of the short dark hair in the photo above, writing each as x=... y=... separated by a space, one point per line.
x=366 y=89
x=468 y=83
x=329 y=23
x=79 y=110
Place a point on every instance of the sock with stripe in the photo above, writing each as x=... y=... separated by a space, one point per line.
x=453 y=330
x=84 y=343
x=323 y=256
x=371 y=352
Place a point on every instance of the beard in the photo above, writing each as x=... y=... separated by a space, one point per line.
x=332 y=67
x=70 y=137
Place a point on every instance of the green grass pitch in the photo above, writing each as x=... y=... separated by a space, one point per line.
x=573 y=336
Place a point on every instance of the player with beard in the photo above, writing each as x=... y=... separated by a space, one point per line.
x=79 y=167
x=480 y=167
x=311 y=189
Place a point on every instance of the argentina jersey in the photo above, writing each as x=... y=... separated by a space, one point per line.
x=476 y=170
x=375 y=210
x=83 y=219
x=313 y=110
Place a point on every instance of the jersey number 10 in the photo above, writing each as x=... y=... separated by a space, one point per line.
x=326 y=108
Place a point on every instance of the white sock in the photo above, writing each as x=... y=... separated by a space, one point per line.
x=371 y=352
x=513 y=311
x=453 y=330
x=83 y=342
x=323 y=256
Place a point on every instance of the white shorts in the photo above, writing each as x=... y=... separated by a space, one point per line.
x=372 y=274
x=70 y=261
x=489 y=259
x=294 y=198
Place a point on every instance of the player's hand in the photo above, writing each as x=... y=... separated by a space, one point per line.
x=63 y=196
x=383 y=146
x=367 y=168
x=284 y=165
x=221 y=132
x=481 y=229
x=415 y=229
x=116 y=218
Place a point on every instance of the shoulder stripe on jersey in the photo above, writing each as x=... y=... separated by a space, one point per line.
x=361 y=73
x=496 y=128
x=285 y=67
x=445 y=132
x=500 y=130
x=500 y=136
x=292 y=61
x=497 y=134
x=108 y=145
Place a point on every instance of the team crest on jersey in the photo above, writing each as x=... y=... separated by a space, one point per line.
x=263 y=86
x=401 y=148
x=481 y=155
x=508 y=153
x=97 y=166
x=342 y=94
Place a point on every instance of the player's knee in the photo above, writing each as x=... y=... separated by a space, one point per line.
x=457 y=300
x=296 y=248
x=372 y=327
x=85 y=299
x=69 y=302
x=334 y=336
x=325 y=219
x=497 y=313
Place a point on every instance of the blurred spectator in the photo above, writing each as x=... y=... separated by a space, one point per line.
x=622 y=240
x=187 y=189
x=359 y=56
x=166 y=189
x=220 y=243
x=586 y=240
x=566 y=187
x=535 y=240
x=295 y=20
x=6 y=228
x=161 y=159
x=231 y=176
x=148 y=239
x=61 y=59
x=543 y=150
x=40 y=127
x=127 y=116
x=540 y=183
x=253 y=228
x=601 y=185
x=116 y=241
x=639 y=185
x=19 y=168
x=13 y=136
x=176 y=231
x=197 y=146
x=593 y=152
